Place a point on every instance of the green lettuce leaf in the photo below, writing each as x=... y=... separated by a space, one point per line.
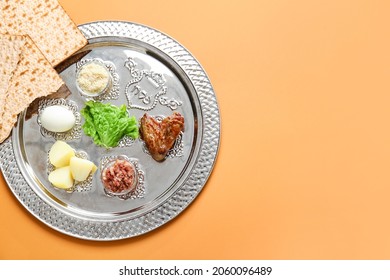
x=106 y=124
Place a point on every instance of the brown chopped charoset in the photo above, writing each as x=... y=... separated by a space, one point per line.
x=160 y=137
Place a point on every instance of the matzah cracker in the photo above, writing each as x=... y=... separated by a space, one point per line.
x=46 y=22
x=10 y=49
x=33 y=77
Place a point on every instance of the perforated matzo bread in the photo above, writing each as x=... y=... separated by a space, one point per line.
x=46 y=22
x=10 y=50
x=33 y=77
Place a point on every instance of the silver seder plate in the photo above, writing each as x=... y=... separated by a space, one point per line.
x=150 y=73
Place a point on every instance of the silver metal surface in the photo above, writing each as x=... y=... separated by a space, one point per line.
x=154 y=74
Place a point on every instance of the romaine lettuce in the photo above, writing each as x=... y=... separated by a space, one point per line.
x=106 y=124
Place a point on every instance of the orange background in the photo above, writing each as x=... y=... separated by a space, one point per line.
x=303 y=169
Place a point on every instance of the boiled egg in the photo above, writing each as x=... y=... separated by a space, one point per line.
x=57 y=118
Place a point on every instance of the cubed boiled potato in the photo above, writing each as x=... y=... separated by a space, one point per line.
x=81 y=168
x=60 y=154
x=61 y=178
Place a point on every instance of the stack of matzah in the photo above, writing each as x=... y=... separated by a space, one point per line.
x=35 y=36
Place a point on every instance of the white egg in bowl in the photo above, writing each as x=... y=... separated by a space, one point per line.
x=57 y=118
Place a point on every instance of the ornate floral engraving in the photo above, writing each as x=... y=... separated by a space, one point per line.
x=148 y=87
x=126 y=141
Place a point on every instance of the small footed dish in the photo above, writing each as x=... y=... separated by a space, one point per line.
x=93 y=79
x=119 y=177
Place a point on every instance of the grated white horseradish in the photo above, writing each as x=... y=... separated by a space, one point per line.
x=93 y=78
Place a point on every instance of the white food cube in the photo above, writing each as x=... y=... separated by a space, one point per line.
x=81 y=168
x=60 y=154
x=61 y=178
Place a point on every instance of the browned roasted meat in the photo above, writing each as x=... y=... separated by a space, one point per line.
x=159 y=137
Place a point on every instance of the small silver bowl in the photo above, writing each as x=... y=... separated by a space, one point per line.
x=92 y=77
x=120 y=187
